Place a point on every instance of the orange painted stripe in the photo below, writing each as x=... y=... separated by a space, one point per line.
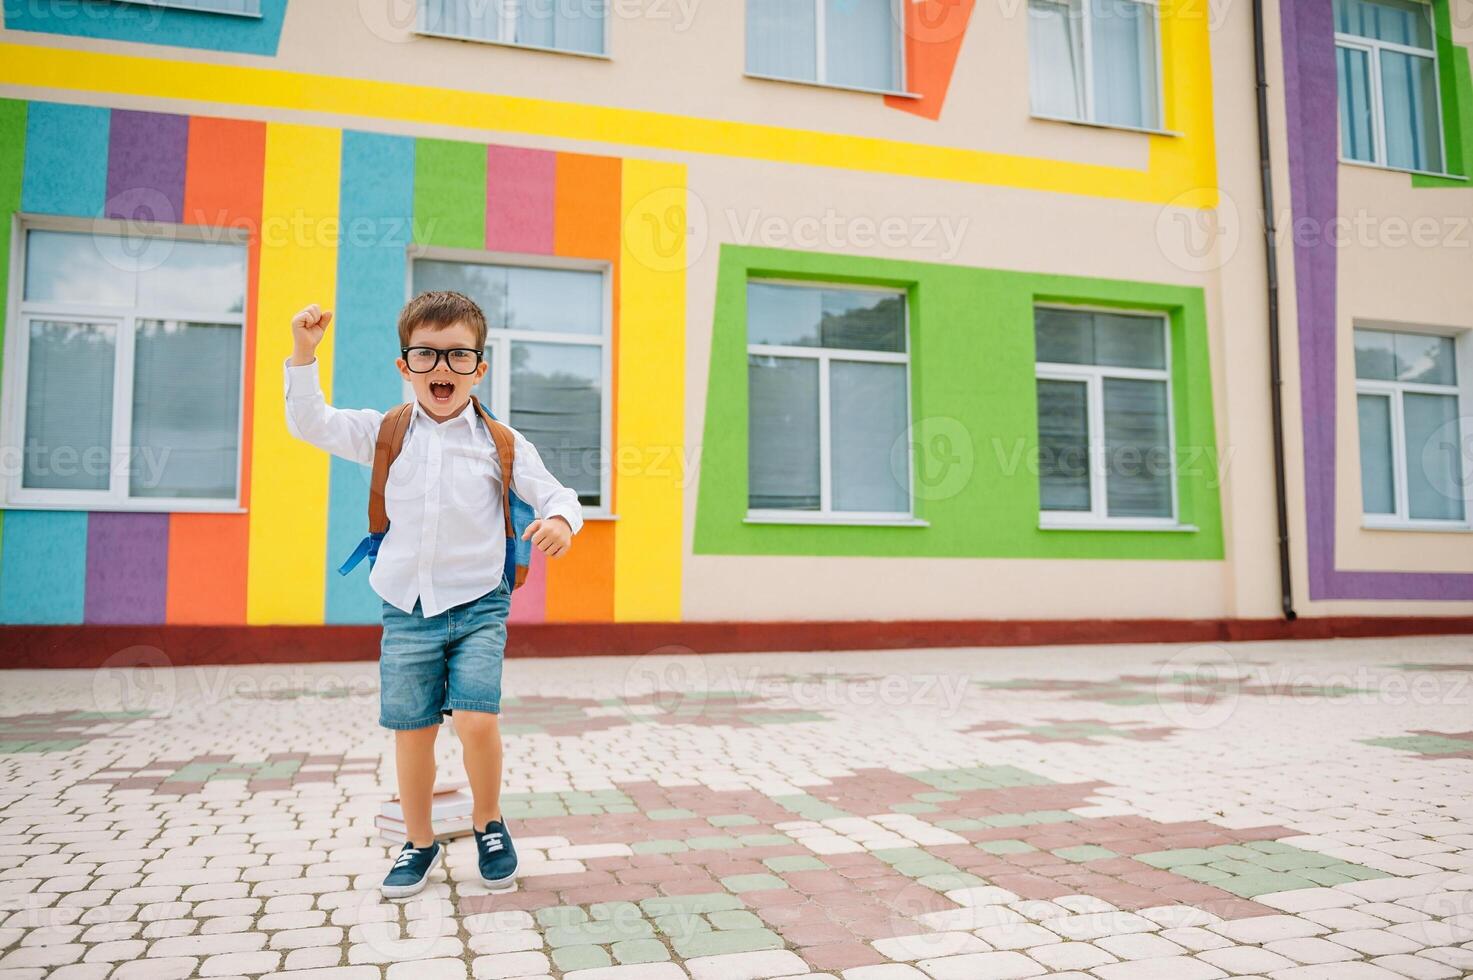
x=580 y=585
x=208 y=552
x=934 y=30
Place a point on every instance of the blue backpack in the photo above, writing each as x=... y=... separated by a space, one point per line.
x=517 y=512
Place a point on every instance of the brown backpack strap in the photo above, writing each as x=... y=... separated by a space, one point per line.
x=506 y=451
x=386 y=449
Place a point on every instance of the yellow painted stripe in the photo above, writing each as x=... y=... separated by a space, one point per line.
x=299 y=262
x=649 y=437
x=1176 y=167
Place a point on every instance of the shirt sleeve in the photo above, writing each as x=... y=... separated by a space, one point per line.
x=534 y=484
x=349 y=433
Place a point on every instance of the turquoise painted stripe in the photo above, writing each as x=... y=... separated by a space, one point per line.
x=43 y=571
x=146 y=24
x=66 y=159
x=44 y=576
x=377 y=207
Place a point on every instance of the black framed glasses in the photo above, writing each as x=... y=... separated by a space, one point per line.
x=461 y=360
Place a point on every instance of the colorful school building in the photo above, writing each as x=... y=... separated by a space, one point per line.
x=872 y=323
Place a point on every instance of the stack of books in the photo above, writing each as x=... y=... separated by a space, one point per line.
x=450 y=814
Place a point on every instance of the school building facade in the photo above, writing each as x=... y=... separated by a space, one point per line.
x=868 y=323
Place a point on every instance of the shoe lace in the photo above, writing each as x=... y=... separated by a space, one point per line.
x=407 y=855
x=492 y=841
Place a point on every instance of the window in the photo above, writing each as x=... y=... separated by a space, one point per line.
x=548 y=357
x=1095 y=61
x=248 y=8
x=828 y=402
x=1411 y=461
x=575 y=26
x=1389 y=110
x=125 y=370
x=1104 y=417
x=845 y=43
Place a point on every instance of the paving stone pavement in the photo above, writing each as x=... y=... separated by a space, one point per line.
x=1291 y=811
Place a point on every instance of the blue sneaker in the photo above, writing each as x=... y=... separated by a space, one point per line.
x=497 y=856
x=411 y=869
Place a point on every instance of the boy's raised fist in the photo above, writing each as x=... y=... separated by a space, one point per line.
x=310 y=326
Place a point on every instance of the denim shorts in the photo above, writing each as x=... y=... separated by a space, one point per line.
x=429 y=667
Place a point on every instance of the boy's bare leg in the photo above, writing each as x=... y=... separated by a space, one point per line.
x=480 y=737
x=414 y=751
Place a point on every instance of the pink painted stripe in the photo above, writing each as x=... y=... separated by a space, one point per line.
x=519 y=199
x=529 y=603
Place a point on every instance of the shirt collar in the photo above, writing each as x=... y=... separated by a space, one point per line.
x=467 y=416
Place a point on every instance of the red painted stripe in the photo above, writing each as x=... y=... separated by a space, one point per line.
x=519 y=199
x=176 y=646
x=207 y=552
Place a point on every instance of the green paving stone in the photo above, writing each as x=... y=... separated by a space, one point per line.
x=1050 y=816
x=1007 y=820
x=731 y=820
x=1247 y=886
x=1325 y=877
x=689 y=904
x=1006 y=846
x=1358 y=872
x=795 y=862
x=1201 y=872
x=1272 y=847
x=1233 y=867
x=588 y=809
x=1296 y=862
x=752 y=883
x=657 y=846
x=809 y=807
x=561 y=915
x=681 y=924
x=676 y=814
x=640 y=951
x=734 y=919
x=726 y=941
x=962 y=823
x=570 y=958
x=1174 y=859
x=949 y=881
x=714 y=842
x=1235 y=852
x=1421 y=744
x=1085 y=852
x=915 y=808
x=599 y=932
x=600 y=911
x=764 y=840
x=896 y=855
x=935 y=797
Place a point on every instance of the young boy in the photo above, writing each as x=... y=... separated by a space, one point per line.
x=439 y=567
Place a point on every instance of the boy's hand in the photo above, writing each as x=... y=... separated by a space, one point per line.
x=552 y=536
x=308 y=327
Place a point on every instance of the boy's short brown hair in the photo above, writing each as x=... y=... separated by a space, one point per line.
x=441 y=309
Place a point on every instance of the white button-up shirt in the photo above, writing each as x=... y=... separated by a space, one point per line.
x=447 y=538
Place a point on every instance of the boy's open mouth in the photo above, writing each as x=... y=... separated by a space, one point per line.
x=442 y=391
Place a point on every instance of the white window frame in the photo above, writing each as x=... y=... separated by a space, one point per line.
x=506 y=27
x=825 y=356
x=16 y=368
x=1093 y=376
x=1373 y=49
x=1087 y=67
x=195 y=6
x=820 y=68
x=500 y=340
x=1462 y=390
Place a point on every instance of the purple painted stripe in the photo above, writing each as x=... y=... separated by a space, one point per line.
x=145 y=166
x=1311 y=103
x=127 y=568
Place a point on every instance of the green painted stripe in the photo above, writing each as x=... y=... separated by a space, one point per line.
x=974 y=404
x=450 y=193
x=1455 y=82
x=12 y=167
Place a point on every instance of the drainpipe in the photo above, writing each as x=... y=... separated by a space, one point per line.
x=1271 y=261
